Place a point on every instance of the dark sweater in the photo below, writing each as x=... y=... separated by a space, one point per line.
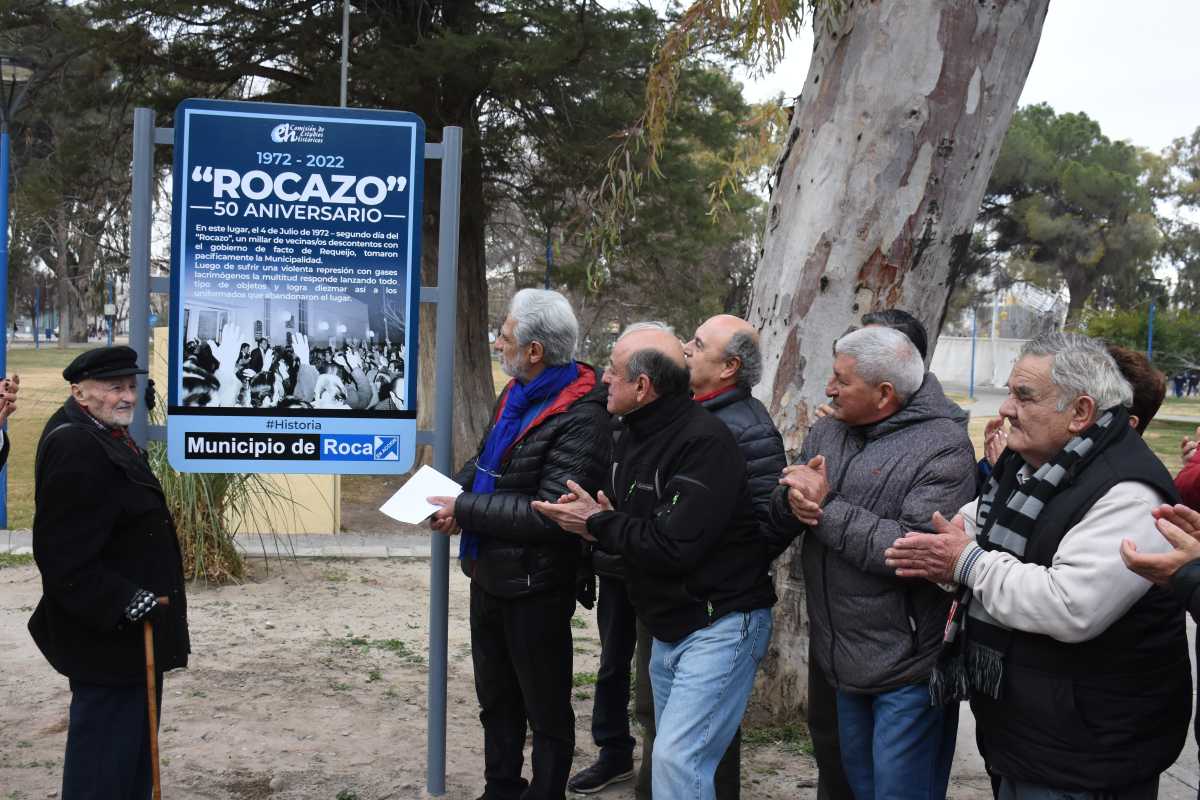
x=683 y=523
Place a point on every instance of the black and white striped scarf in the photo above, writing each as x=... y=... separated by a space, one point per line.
x=974 y=644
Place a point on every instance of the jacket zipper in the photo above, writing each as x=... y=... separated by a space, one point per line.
x=825 y=571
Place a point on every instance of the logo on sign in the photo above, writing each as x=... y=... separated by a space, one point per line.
x=293 y=132
x=387 y=448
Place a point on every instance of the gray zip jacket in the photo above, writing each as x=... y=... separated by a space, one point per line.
x=872 y=631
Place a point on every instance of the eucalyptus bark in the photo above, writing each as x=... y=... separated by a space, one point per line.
x=888 y=153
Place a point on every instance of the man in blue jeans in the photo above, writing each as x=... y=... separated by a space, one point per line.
x=696 y=560
x=892 y=452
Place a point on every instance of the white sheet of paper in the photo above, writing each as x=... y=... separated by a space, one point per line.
x=408 y=504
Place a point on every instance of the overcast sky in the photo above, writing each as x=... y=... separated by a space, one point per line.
x=1133 y=67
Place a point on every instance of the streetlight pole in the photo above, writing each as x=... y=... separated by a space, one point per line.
x=14 y=81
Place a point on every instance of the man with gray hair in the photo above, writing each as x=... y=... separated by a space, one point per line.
x=891 y=454
x=1077 y=668
x=696 y=564
x=549 y=425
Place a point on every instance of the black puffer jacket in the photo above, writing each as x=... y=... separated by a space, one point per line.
x=101 y=533
x=520 y=551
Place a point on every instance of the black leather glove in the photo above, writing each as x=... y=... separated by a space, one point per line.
x=150 y=399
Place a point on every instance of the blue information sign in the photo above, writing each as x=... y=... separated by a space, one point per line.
x=295 y=279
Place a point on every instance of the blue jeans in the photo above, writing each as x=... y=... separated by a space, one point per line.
x=701 y=686
x=895 y=746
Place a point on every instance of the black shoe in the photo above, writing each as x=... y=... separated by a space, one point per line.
x=599 y=775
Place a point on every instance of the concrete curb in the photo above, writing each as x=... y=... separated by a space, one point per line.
x=295 y=545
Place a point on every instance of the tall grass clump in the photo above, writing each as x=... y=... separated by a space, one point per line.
x=211 y=508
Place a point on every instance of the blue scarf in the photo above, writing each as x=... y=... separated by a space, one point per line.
x=522 y=399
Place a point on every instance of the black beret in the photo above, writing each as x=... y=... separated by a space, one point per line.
x=103 y=362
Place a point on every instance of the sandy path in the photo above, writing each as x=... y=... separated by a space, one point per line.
x=307 y=682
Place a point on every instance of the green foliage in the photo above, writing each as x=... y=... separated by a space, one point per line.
x=15 y=560
x=209 y=510
x=1175 y=180
x=1065 y=203
x=1176 y=334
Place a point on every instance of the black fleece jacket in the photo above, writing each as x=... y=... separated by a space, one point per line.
x=684 y=522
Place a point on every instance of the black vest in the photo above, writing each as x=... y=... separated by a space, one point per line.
x=1105 y=713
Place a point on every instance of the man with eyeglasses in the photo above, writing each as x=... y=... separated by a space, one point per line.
x=549 y=425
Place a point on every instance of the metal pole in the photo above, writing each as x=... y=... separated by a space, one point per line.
x=345 y=47
x=443 y=453
x=1150 y=334
x=112 y=302
x=37 y=313
x=549 y=259
x=4 y=299
x=974 y=337
x=997 y=380
x=139 y=267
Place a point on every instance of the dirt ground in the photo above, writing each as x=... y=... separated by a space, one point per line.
x=307 y=682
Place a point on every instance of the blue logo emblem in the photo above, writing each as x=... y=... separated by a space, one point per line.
x=387 y=448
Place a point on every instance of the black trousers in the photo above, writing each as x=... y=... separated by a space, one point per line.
x=610 y=707
x=108 y=743
x=823 y=730
x=521 y=648
x=727 y=780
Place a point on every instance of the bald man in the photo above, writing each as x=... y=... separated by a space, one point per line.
x=678 y=511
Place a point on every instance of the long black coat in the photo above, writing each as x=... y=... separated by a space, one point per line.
x=101 y=533
x=520 y=551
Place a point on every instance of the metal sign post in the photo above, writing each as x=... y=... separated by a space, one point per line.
x=444 y=296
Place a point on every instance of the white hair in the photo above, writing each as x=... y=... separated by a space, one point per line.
x=647 y=325
x=884 y=355
x=545 y=316
x=1081 y=365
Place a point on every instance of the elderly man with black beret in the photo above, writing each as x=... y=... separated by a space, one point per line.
x=105 y=544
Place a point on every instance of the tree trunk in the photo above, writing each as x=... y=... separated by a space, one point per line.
x=474 y=393
x=887 y=158
x=64 y=281
x=1080 y=286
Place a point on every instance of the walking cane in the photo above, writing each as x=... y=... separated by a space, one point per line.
x=152 y=699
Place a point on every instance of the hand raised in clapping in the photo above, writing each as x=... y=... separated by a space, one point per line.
x=572 y=510
x=808 y=486
x=300 y=347
x=8 y=397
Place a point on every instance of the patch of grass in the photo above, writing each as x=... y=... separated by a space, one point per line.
x=373 y=675
x=578 y=622
x=583 y=694
x=347 y=794
x=15 y=560
x=1181 y=406
x=1164 y=437
x=335 y=576
x=396 y=647
x=583 y=679
x=339 y=686
x=792 y=738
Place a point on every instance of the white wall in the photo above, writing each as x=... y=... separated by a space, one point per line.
x=952 y=360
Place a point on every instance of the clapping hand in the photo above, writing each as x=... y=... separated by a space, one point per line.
x=573 y=509
x=808 y=486
x=1187 y=448
x=8 y=397
x=353 y=361
x=929 y=555
x=995 y=439
x=1179 y=525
